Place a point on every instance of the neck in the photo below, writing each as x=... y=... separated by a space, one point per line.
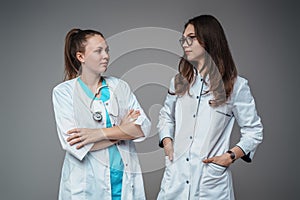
x=92 y=82
x=199 y=68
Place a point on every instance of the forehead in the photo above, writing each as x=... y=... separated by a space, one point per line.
x=95 y=41
x=189 y=30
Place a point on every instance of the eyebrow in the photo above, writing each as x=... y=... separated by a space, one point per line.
x=101 y=47
x=191 y=34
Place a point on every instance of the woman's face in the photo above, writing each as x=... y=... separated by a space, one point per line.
x=194 y=52
x=96 y=57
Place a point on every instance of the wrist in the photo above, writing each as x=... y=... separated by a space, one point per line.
x=101 y=134
x=166 y=141
x=232 y=155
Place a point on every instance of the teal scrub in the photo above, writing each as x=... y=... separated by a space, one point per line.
x=115 y=160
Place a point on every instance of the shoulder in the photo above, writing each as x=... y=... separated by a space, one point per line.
x=65 y=87
x=116 y=83
x=241 y=88
x=240 y=82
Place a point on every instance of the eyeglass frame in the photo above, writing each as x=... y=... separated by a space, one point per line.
x=189 y=40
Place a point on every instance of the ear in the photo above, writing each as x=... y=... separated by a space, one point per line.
x=80 y=56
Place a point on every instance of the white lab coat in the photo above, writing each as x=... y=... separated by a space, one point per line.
x=86 y=175
x=205 y=135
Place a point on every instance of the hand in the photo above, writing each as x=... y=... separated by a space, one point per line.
x=131 y=116
x=223 y=160
x=168 y=147
x=83 y=136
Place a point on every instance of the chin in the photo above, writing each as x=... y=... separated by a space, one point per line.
x=190 y=58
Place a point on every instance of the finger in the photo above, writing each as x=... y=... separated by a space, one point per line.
x=208 y=160
x=170 y=156
x=135 y=115
x=83 y=142
x=74 y=130
x=75 y=141
x=80 y=145
x=72 y=137
x=130 y=112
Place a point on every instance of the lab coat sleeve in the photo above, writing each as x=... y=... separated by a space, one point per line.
x=65 y=121
x=133 y=103
x=250 y=124
x=166 y=123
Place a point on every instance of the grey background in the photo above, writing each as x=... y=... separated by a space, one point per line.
x=263 y=37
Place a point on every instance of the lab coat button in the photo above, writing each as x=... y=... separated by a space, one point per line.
x=197 y=97
x=187 y=182
x=191 y=137
x=194 y=116
x=187 y=159
x=106 y=104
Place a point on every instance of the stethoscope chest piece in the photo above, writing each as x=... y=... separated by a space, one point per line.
x=97 y=116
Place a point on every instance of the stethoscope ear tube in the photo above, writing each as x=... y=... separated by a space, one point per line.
x=97 y=116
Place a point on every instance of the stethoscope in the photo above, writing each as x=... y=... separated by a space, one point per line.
x=97 y=115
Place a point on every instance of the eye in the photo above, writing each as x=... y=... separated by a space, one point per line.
x=107 y=50
x=99 y=50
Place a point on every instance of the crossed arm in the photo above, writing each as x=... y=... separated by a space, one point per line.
x=105 y=137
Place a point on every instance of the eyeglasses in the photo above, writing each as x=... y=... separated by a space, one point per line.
x=189 y=40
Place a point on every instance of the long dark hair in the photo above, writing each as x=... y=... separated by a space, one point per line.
x=75 y=41
x=219 y=65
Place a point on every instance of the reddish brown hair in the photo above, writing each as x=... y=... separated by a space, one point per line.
x=75 y=41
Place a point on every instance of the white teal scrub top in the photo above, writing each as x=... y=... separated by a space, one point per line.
x=115 y=160
x=95 y=175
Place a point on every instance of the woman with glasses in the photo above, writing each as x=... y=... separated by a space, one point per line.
x=196 y=121
x=98 y=120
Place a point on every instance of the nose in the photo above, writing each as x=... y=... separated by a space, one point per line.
x=184 y=44
x=105 y=55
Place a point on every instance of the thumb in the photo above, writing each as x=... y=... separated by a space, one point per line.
x=171 y=152
x=208 y=160
x=171 y=156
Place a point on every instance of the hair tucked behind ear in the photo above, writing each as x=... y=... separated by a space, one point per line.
x=75 y=41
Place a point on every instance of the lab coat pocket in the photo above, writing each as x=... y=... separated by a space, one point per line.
x=223 y=113
x=221 y=116
x=224 y=110
x=214 y=182
x=213 y=175
x=215 y=169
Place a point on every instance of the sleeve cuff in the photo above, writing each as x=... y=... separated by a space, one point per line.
x=81 y=153
x=145 y=126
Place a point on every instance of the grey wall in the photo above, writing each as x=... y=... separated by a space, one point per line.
x=263 y=38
